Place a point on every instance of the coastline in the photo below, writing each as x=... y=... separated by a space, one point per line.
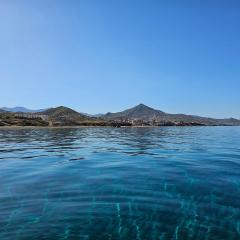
x=68 y=127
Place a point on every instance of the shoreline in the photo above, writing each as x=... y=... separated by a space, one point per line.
x=68 y=127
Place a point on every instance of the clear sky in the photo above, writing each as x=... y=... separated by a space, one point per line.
x=107 y=55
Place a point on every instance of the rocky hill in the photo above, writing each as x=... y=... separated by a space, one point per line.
x=64 y=116
x=140 y=112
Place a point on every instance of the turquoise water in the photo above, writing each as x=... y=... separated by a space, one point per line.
x=174 y=183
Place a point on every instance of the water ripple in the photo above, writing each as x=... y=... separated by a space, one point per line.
x=128 y=183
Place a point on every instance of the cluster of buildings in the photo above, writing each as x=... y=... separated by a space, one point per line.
x=32 y=116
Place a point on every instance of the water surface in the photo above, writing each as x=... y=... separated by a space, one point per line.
x=174 y=183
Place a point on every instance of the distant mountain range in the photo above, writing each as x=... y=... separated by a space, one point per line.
x=20 y=109
x=93 y=115
x=137 y=116
x=26 y=110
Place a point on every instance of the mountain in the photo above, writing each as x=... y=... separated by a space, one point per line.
x=143 y=113
x=21 y=109
x=98 y=115
x=136 y=116
x=64 y=114
x=140 y=112
x=59 y=116
x=93 y=115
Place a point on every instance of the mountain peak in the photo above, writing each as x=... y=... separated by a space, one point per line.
x=140 y=112
x=141 y=105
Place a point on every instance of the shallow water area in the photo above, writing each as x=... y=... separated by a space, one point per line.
x=157 y=183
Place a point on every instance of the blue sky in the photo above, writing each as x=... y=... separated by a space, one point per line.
x=108 y=55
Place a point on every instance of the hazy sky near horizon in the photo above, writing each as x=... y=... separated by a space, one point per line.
x=98 y=56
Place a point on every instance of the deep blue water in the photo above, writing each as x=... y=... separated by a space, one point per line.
x=176 y=183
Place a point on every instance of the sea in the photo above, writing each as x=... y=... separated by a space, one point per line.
x=146 y=183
